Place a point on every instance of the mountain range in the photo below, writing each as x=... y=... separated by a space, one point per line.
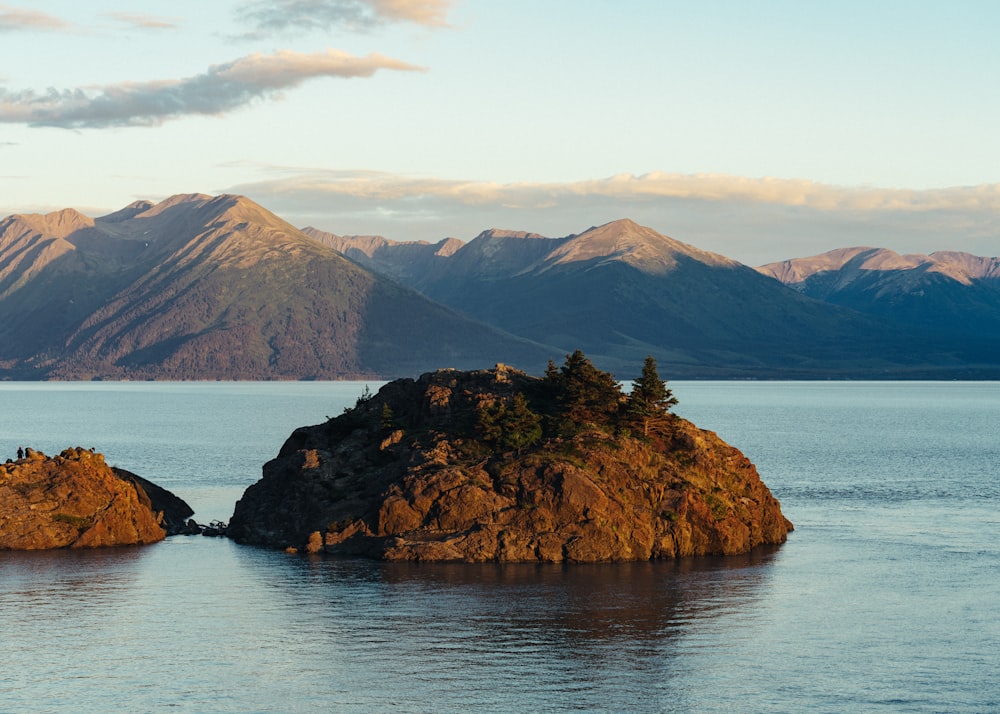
x=202 y=287
x=945 y=292
x=620 y=291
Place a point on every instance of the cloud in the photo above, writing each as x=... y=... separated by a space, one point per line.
x=754 y=220
x=143 y=22
x=646 y=187
x=18 y=19
x=14 y=19
x=423 y=12
x=221 y=89
x=277 y=16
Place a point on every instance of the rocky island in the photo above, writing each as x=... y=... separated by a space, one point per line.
x=497 y=465
x=76 y=500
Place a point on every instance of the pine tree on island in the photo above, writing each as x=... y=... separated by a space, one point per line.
x=574 y=398
x=583 y=394
x=650 y=400
x=510 y=425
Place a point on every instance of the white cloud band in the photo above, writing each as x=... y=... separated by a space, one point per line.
x=754 y=220
x=658 y=185
x=221 y=89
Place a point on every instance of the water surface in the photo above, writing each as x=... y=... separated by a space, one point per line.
x=882 y=600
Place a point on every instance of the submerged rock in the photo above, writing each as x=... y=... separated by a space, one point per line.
x=76 y=500
x=408 y=474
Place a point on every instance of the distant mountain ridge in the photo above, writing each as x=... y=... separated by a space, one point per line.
x=411 y=259
x=946 y=292
x=202 y=287
x=217 y=287
x=503 y=253
x=962 y=267
x=621 y=290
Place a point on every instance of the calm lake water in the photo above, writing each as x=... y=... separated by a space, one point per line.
x=884 y=598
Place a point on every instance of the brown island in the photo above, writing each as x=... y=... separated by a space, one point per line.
x=76 y=500
x=497 y=465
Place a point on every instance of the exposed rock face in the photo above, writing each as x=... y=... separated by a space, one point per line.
x=401 y=477
x=76 y=500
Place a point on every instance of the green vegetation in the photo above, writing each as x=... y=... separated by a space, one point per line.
x=650 y=400
x=81 y=523
x=574 y=398
x=719 y=509
x=388 y=418
x=365 y=397
x=510 y=425
x=581 y=395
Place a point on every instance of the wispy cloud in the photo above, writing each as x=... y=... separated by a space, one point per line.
x=221 y=89
x=16 y=19
x=142 y=21
x=278 y=16
x=424 y=12
x=704 y=187
x=755 y=220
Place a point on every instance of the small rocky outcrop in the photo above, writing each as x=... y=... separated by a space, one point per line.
x=76 y=500
x=172 y=512
x=420 y=471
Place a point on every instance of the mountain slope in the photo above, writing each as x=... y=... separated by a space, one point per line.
x=406 y=262
x=201 y=287
x=621 y=291
x=943 y=293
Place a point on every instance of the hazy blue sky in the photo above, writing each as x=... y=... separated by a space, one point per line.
x=761 y=130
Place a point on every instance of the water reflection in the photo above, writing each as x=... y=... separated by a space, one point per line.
x=543 y=632
x=68 y=575
x=601 y=601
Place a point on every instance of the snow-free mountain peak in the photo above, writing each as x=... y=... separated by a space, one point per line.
x=852 y=264
x=130 y=211
x=203 y=287
x=218 y=287
x=941 y=293
x=637 y=245
x=57 y=224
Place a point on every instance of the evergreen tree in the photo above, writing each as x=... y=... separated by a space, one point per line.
x=510 y=425
x=388 y=417
x=488 y=422
x=650 y=400
x=552 y=372
x=519 y=426
x=583 y=394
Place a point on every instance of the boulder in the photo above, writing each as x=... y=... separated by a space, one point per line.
x=405 y=475
x=76 y=500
